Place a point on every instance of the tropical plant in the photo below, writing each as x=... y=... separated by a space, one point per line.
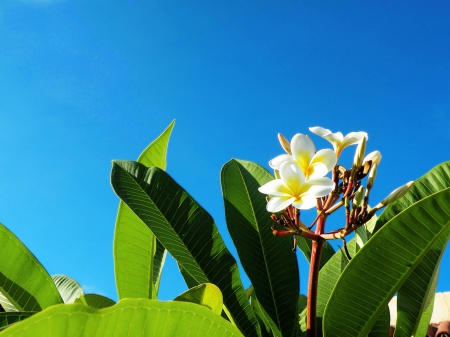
x=349 y=289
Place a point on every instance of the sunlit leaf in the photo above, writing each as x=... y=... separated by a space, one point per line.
x=23 y=280
x=187 y=231
x=138 y=256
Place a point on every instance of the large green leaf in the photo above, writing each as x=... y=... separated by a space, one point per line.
x=129 y=317
x=381 y=326
x=95 y=301
x=267 y=260
x=383 y=264
x=187 y=231
x=138 y=256
x=68 y=288
x=23 y=280
x=418 y=290
x=206 y=294
x=416 y=294
x=268 y=326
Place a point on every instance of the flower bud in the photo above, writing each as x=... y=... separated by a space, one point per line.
x=359 y=154
x=284 y=143
x=374 y=156
x=359 y=196
x=372 y=176
x=396 y=194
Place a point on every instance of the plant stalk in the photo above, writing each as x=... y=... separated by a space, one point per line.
x=316 y=253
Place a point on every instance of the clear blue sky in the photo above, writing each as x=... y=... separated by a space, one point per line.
x=85 y=82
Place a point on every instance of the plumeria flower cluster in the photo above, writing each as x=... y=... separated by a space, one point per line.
x=301 y=184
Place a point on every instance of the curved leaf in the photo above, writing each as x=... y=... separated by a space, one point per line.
x=95 y=301
x=268 y=326
x=415 y=294
x=267 y=260
x=392 y=254
x=128 y=318
x=23 y=280
x=187 y=231
x=381 y=325
x=206 y=294
x=138 y=256
x=68 y=288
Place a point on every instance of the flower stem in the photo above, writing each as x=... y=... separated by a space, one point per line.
x=317 y=246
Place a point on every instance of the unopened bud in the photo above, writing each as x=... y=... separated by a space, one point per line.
x=374 y=156
x=359 y=196
x=359 y=154
x=396 y=194
x=284 y=143
x=372 y=176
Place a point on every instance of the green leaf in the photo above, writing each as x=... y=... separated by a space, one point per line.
x=392 y=254
x=305 y=246
x=206 y=294
x=128 y=318
x=138 y=256
x=8 y=318
x=424 y=323
x=268 y=326
x=381 y=325
x=267 y=260
x=68 y=288
x=416 y=293
x=23 y=280
x=187 y=231
x=95 y=301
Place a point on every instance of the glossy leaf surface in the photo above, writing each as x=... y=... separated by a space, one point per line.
x=138 y=256
x=392 y=254
x=23 y=280
x=206 y=294
x=267 y=260
x=128 y=318
x=187 y=231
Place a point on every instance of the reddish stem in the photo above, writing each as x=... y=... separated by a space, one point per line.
x=317 y=246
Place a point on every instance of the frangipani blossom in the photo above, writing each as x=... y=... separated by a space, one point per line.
x=313 y=164
x=337 y=139
x=293 y=189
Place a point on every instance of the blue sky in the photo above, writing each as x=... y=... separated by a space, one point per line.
x=85 y=82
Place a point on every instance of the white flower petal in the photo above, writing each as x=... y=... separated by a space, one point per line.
x=317 y=170
x=303 y=150
x=318 y=187
x=322 y=132
x=306 y=201
x=277 y=204
x=278 y=160
x=275 y=187
x=326 y=157
x=292 y=176
x=353 y=138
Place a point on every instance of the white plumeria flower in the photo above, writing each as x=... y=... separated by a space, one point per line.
x=293 y=189
x=374 y=156
x=337 y=139
x=313 y=165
